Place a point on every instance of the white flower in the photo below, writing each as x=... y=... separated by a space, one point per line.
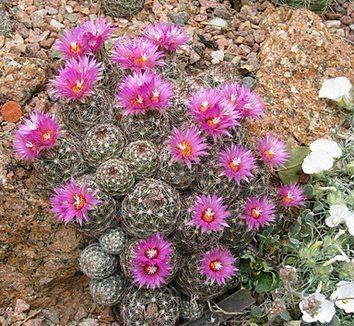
x=345 y=291
x=326 y=146
x=349 y=220
x=321 y=157
x=337 y=214
x=317 y=308
x=335 y=88
x=317 y=162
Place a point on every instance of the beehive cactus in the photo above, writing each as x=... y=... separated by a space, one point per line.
x=172 y=187
x=122 y=8
x=318 y=6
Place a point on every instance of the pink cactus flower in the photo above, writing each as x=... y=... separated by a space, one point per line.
x=26 y=146
x=137 y=54
x=154 y=249
x=150 y=274
x=77 y=79
x=292 y=195
x=95 y=33
x=258 y=212
x=209 y=214
x=237 y=163
x=143 y=91
x=72 y=202
x=187 y=145
x=218 y=265
x=214 y=115
x=273 y=151
x=72 y=44
x=167 y=36
x=247 y=103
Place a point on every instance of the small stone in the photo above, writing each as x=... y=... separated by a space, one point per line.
x=351 y=27
x=47 y=44
x=2 y=40
x=249 y=40
x=259 y=36
x=333 y=23
x=89 y=322
x=38 y=17
x=56 y=24
x=194 y=57
x=52 y=11
x=25 y=19
x=249 y=82
x=218 y=22
x=236 y=60
x=85 y=11
x=72 y=18
x=239 y=40
x=244 y=50
x=81 y=314
x=180 y=18
x=51 y=315
x=21 y=305
x=346 y=20
x=69 y=9
x=218 y=56
x=222 y=12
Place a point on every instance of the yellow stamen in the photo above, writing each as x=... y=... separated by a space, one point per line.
x=213 y=122
x=151 y=253
x=78 y=87
x=256 y=212
x=151 y=269
x=216 y=265
x=75 y=47
x=208 y=215
x=288 y=198
x=204 y=106
x=269 y=153
x=79 y=202
x=185 y=148
x=155 y=96
x=235 y=164
x=47 y=135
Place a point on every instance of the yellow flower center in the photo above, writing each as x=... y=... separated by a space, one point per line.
x=155 y=96
x=78 y=87
x=256 y=212
x=151 y=253
x=288 y=198
x=208 y=215
x=235 y=164
x=75 y=47
x=151 y=269
x=31 y=146
x=215 y=265
x=204 y=106
x=79 y=201
x=269 y=153
x=138 y=100
x=142 y=60
x=185 y=148
x=214 y=122
x=47 y=135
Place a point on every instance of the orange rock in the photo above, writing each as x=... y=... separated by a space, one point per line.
x=11 y=111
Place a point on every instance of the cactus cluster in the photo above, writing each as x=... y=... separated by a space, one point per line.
x=318 y=6
x=172 y=189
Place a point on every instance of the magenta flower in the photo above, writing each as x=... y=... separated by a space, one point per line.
x=237 y=163
x=143 y=91
x=247 y=103
x=167 y=36
x=151 y=274
x=213 y=113
x=187 y=145
x=258 y=212
x=209 y=213
x=72 y=202
x=273 y=151
x=218 y=265
x=26 y=146
x=77 y=79
x=72 y=43
x=37 y=133
x=137 y=54
x=154 y=249
x=95 y=33
x=292 y=195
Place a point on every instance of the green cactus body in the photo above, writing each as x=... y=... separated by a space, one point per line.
x=96 y=263
x=122 y=8
x=152 y=206
x=113 y=240
x=188 y=237
x=6 y=22
x=175 y=173
x=115 y=177
x=60 y=163
x=151 y=126
x=149 y=307
x=318 y=6
x=142 y=158
x=107 y=292
x=191 y=308
x=102 y=142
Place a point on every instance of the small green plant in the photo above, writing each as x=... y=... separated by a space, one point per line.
x=318 y=6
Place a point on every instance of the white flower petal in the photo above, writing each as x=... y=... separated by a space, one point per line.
x=344 y=291
x=324 y=314
x=317 y=162
x=335 y=88
x=349 y=220
x=327 y=146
